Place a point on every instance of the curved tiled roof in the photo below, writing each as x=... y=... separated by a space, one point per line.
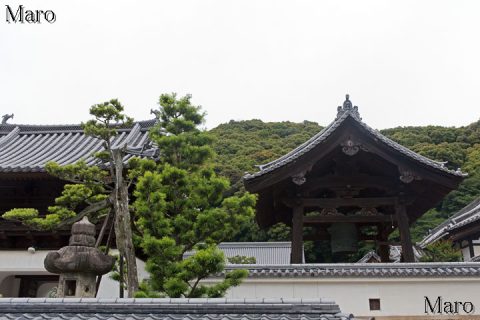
x=363 y=270
x=277 y=252
x=27 y=148
x=343 y=113
x=169 y=309
x=469 y=214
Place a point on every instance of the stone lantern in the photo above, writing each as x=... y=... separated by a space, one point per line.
x=79 y=263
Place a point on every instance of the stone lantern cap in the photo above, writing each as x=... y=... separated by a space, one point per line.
x=80 y=256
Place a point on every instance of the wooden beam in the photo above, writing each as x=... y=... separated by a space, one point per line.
x=359 y=180
x=383 y=246
x=349 y=219
x=435 y=175
x=301 y=164
x=297 y=235
x=317 y=237
x=470 y=248
x=404 y=230
x=343 y=202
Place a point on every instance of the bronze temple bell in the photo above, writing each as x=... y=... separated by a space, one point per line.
x=344 y=238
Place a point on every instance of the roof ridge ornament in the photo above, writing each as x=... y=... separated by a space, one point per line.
x=6 y=117
x=348 y=107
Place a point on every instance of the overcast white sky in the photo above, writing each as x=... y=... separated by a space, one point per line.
x=402 y=62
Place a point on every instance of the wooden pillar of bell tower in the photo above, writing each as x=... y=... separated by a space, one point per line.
x=404 y=230
x=383 y=247
x=297 y=235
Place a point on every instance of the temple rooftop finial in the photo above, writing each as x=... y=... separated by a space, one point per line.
x=347 y=104
x=6 y=117
x=348 y=107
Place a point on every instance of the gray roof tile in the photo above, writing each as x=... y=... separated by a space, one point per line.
x=328 y=130
x=379 y=270
x=27 y=148
x=467 y=215
x=172 y=309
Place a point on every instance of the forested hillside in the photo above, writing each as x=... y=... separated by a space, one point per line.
x=240 y=145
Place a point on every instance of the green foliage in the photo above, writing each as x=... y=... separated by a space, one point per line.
x=108 y=117
x=441 y=251
x=241 y=145
x=22 y=214
x=242 y=260
x=180 y=206
x=73 y=197
x=460 y=147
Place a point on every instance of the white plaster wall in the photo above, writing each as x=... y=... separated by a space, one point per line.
x=466 y=250
x=110 y=288
x=22 y=261
x=398 y=297
x=476 y=247
x=466 y=254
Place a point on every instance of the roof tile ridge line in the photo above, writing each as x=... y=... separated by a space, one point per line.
x=11 y=135
x=52 y=128
x=48 y=125
x=426 y=240
x=472 y=208
x=356 y=265
x=438 y=164
x=306 y=143
x=37 y=132
x=462 y=223
x=466 y=216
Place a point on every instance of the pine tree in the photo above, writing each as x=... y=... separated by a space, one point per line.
x=180 y=207
x=97 y=188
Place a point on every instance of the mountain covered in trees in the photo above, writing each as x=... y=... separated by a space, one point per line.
x=240 y=145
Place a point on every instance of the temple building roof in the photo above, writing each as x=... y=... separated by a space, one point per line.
x=466 y=218
x=170 y=309
x=349 y=160
x=344 y=113
x=27 y=148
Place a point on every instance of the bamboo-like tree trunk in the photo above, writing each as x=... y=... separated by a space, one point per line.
x=123 y=230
